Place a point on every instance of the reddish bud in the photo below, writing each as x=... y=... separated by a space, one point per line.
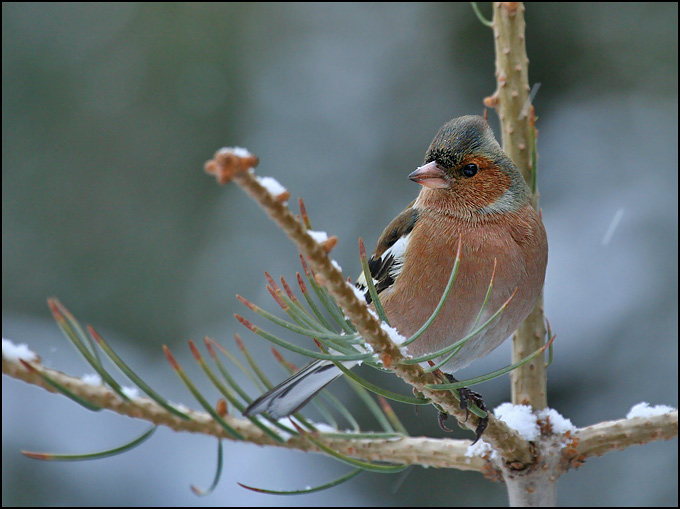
x=194 y=350
x=246 y=323
x=301 y=283
x=221 y=408
x=290 y=293
x=329 y=243
x=171 y=358
x=247 y=303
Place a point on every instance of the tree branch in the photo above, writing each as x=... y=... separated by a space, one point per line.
x=608 y=436
x=426 y=452
x=511 y=100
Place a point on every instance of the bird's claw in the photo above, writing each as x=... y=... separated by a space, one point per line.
x=468 y=396
x=479 y=430
x=441 y=418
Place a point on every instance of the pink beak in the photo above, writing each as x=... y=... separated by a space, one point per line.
x=430 y=175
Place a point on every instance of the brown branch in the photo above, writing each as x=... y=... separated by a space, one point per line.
x=428 y=452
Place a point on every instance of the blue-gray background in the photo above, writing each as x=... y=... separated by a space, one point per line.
x=110 y=110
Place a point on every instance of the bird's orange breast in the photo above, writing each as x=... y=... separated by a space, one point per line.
x=518 y=243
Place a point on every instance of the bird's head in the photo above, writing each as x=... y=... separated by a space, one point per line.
x=466 y=166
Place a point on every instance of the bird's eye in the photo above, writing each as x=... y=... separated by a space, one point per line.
x=470 y=170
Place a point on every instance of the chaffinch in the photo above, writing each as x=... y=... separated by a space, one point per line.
x=470 y=190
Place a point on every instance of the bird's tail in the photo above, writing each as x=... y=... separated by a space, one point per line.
x=292 y=394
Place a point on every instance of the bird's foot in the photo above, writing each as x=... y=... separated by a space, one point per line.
x=468 y=396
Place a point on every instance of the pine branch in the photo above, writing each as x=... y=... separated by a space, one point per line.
x=426 y=452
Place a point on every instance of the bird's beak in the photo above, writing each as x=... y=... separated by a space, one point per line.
x=430 y=175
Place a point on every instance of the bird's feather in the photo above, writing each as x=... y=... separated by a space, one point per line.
x=388 y=258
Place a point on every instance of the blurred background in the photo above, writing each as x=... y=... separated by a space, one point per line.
x=109 y=112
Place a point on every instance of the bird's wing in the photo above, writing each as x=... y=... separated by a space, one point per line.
x=388 y=257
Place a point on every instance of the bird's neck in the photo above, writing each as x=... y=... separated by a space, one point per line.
x=466 y=206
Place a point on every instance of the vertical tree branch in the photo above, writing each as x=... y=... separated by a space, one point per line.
x=512 y=101
x=535 y=486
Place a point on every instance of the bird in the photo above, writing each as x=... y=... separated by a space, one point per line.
x=471 y=192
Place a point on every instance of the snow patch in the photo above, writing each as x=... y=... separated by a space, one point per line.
x=319 y=237
x=640 y=410
x=271 y=185
x=13 y=352
x=91 y=379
